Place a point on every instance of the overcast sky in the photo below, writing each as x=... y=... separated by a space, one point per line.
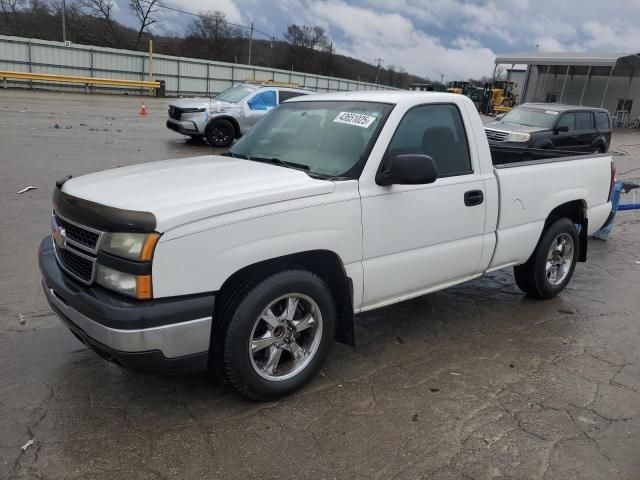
x=457 y=38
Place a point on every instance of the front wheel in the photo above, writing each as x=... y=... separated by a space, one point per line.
x=220 y=133
x=551 y=265
x=276 y=334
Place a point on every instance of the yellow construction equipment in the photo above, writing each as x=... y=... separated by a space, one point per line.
x=502 y=97
x=458 y=87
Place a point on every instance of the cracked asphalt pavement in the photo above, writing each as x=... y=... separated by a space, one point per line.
x=476 y=382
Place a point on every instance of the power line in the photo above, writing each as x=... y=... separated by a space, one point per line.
x=184 y=12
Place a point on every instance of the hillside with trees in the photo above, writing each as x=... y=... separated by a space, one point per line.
x=209 y=36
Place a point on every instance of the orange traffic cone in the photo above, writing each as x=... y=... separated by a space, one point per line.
x=143 y=110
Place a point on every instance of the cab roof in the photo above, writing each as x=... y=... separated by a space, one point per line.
x=560 y=107
x=378 y=96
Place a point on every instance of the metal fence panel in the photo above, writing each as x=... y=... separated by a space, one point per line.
x=182 y=76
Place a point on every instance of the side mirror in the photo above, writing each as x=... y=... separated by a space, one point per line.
x=561 y=128
x=408 y=169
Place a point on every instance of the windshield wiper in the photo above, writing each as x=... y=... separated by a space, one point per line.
x=277 y=161
x=229 y=153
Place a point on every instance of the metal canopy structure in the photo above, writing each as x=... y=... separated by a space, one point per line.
x=560 y=68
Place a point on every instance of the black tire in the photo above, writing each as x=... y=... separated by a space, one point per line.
x=235 y=328
x=532 y=277
x=599 y=149
x=220 y=133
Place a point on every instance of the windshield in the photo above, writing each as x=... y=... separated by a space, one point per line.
x=531 y=118
x=235 y=94
x=327 y=138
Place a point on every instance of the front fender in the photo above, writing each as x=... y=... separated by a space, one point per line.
x=225 y=116
x=201 y=261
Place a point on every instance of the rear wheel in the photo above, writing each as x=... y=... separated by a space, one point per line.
x=276 y=334
x=551 y=266
x=220 y=133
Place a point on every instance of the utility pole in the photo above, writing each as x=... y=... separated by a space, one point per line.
x=64 y=21
x=442 y=79
x=250 y=40
x=273 y=41
x=379 y=60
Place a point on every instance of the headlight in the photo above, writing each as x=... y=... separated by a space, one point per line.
x=132 y=246
x=193 y=110
x=137 y=286
x=519 y=137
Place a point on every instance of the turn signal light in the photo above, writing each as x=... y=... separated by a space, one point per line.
x=144 y=290
x=149 y=246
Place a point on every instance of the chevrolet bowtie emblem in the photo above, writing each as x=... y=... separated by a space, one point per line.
x=59 y=237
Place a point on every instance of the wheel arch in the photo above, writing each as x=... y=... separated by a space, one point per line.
x=324 y=263
x=234 y=122
x=575 y=211
x=600 y=142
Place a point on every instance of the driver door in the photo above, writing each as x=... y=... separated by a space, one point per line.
x=566 y=140
x=418 y=237
x=258 y=105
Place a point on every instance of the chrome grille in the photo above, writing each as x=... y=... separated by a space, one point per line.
x=496 y=135
x=76 y=247
x=76 y=264
x=81 y=235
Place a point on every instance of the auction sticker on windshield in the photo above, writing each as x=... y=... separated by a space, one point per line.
x=357 y=119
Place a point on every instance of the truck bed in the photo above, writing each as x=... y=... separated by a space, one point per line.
x=504 y=156
x=532 y=182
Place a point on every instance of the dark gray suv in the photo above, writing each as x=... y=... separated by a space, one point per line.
x=553 y=126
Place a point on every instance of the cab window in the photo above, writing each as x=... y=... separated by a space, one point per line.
x=584 y=121
x=263 y=100
x=437 y=131
x=568 y=120
x=602 y=121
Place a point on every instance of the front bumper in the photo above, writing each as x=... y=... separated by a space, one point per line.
x=163 y=335
x=183 y=127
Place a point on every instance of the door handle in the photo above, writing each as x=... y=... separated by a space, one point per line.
x=473 y=197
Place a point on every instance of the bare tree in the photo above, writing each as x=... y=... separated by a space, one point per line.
x=303 y=39
x=304 y=36
x=103 y=29
x=144 y=11
x=18 y=14
x=213 y=29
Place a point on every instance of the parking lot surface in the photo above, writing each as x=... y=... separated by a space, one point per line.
x=476 y=382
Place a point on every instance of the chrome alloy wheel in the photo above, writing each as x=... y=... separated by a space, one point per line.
x=559 y=259
x=285 y=337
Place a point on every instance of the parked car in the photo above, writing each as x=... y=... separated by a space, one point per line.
x=228 y=115
x=554 y=126
x=336 y=204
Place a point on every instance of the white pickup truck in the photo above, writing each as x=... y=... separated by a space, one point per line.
x=334 y=204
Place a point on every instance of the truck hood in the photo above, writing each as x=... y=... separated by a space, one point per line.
x=185 y=190
x=202 y=102
x=513 y=127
